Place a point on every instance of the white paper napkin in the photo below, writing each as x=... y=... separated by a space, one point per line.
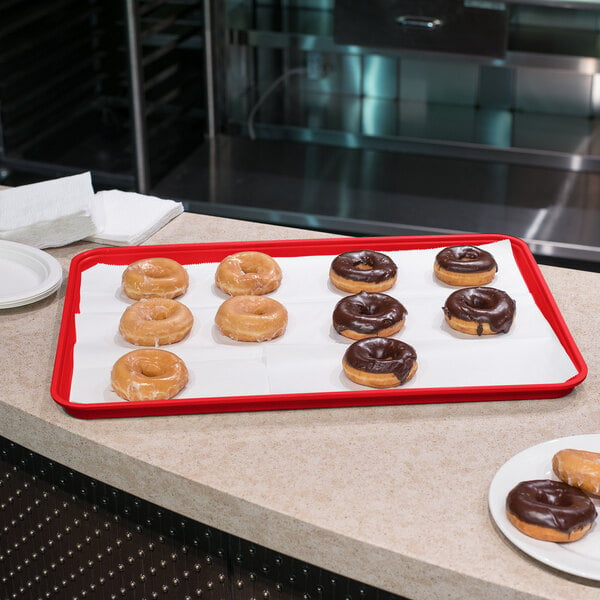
x=48 y=214
x=128 y=218
x=57 y=212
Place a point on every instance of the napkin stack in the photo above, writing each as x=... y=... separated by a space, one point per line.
x=49 y=214
x=127 y=218
x=60 y=211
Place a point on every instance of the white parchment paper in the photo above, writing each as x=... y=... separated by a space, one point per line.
x=307 y=358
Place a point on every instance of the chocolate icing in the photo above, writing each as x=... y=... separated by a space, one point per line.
x=483 y=305
x=381 y=355
x=367 y=313
x=465 y=259
x=551 y=504
x=376 y=266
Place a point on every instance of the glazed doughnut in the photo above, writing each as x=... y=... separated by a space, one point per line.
x=248 y=273
x=155 y=322
x=155 y=278
x=368 y=314
x=363 y=270
x=380 y=362
x=251 y=318
x=479 y=311
x=465 y=266
x=550 y=510
x=148 y=374
x=579 y=468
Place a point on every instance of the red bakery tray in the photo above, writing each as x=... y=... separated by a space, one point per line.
x=215 y=252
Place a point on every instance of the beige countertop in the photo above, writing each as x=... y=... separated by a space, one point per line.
x=394 y=496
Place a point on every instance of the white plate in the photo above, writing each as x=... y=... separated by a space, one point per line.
x=581 y=558
x=28 y=274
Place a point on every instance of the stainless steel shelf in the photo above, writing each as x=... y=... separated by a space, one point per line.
x=556 y=141
x=68 y=100
x=361 y=191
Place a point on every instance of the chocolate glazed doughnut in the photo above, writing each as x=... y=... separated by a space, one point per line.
x=363 y=270
x=380 y=362
x=465 y=265
x=368 y=314
x=479 y=311
x=550 y=510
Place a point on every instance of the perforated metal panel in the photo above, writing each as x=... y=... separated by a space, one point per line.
x=66 y=536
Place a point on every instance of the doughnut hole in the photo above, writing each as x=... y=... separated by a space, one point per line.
x=149 y=369
x=249 y=269
x=159 y=313
x=482 y=302
x=154 y=271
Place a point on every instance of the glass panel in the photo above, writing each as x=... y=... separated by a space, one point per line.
x=379 y=117
x=438 y=81
x=553 y=91
x=380 y=76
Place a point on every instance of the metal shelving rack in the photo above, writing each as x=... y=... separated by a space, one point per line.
x=115 y=88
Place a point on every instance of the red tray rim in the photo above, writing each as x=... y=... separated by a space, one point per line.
x=216 y=251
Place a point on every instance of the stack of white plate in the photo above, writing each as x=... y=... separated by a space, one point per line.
x=27 y=274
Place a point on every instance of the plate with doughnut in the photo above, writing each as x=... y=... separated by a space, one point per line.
x=382 y=320
x=546 y=501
